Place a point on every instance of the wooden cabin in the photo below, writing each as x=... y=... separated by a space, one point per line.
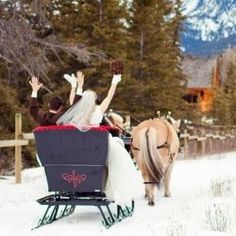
x=199 y=74
x=204 y=75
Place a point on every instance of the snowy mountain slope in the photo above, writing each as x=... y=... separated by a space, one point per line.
x=210 y=26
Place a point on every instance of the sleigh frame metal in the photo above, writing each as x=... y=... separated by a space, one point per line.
x=75 y=167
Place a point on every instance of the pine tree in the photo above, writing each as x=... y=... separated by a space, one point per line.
x=224 y=105
x=154 y=58
x=174 y=28
x=100 y=25
x=230 y=92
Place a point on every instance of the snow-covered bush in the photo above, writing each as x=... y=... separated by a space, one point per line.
x=217 y=217
x=221 y=186
x=176 y=227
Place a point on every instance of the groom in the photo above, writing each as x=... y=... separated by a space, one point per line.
x=56 y=104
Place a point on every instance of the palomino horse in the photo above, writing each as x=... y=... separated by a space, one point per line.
x=155 y=147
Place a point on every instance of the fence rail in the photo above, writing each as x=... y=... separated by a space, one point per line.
x=194 y=143
x=14 y=142
x=202 y=140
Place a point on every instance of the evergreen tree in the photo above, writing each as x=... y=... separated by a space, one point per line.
x=154 y=57
x=224 y=105
x=106 y=33
x=99 y=24
x=221 y=108
x=230 y=90
x=174 y=57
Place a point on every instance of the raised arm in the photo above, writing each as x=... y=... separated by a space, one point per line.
x=76 y=86
x=35 y=85
x=34 y=105
x=72 y=94
x=80 y=84
x=106 y=102
x=72 y=80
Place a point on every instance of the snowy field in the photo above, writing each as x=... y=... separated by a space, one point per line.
x=203 y=203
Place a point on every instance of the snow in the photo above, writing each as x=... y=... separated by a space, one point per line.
x=194 y=188
x=190 y=6
x=209 y=27
x=212 y=19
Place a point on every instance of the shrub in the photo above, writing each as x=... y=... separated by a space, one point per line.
x=217 y=217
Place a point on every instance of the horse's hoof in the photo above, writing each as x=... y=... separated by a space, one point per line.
x=167 y=195
x=151 y=203
x=145 y=196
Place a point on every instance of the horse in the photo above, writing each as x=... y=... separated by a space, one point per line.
x=116 y=119
x=155 y=146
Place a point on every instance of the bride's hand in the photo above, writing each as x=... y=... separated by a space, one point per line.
x=80 y=79
x=71 y=79
x=116 y=79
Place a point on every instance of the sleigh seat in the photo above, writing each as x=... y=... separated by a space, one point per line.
x=75 y=168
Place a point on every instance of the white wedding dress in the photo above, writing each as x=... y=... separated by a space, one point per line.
x=124 y=182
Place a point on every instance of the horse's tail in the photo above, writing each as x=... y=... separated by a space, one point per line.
x=152 y=159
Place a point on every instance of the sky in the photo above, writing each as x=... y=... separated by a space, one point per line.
x=203 y=200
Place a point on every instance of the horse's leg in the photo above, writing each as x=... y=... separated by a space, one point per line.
x=167 y=177
x=151 y=196
x=146 y=180
x=149 y=190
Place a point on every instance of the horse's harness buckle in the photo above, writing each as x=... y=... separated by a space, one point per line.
x=165 y=145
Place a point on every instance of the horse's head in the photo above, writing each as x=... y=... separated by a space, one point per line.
x=116 y=119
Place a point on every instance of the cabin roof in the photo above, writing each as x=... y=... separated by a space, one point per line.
x=198 y=71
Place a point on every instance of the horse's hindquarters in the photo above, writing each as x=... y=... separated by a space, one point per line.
x=154 y=143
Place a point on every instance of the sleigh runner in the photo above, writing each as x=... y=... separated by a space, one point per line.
x=75 y=167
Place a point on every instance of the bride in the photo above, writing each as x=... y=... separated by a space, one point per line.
x=124 y=181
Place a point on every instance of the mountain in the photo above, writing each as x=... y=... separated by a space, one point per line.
x=210 y=26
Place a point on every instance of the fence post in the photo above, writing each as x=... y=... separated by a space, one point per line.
x=217 y=142
x=210 y=144
x=203 y=144
x=185 y=145
x=195 y=145
x=18 y=132
x=233 y=138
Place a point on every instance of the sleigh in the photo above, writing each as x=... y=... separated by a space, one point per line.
x=76 y=172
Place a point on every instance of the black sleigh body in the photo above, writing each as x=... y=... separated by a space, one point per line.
x=75 y=165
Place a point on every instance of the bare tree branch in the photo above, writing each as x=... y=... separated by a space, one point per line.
x=25 y=45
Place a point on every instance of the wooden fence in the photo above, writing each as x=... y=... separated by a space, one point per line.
x=201 y=141
x=195 y=142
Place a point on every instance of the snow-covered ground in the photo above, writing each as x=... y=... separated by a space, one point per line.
x=203 y=198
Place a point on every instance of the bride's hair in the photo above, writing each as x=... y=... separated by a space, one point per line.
x=79 y=114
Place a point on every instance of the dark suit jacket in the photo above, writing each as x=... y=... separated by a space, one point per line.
x=45 y=118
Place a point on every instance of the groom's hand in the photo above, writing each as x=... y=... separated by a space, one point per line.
x=35 y=85
x=34 y=82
